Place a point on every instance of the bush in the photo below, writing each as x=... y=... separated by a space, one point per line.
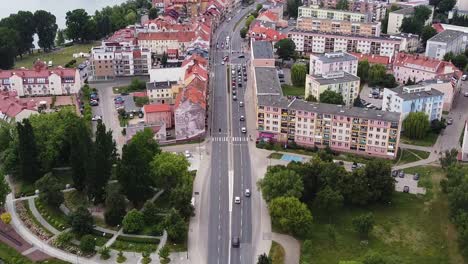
x=141 y=101
x=105 y=253
x=120 y=257
x=63 y=239
x=143 y=240
x=87 y=244
x=133 y=221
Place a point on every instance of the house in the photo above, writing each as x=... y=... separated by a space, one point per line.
x=158 y=113
x=160 y=42
x=339 y=26
x=409 y=42
x=12 y=109
x=259 y=32
x=161 y=92
x=447 y=88
x=315 y=11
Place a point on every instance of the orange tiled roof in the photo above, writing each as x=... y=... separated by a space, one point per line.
x=156 y=108
x=270 y=15
x=180 y=36
x=373 y=59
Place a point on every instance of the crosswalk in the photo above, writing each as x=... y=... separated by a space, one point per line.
x=230 y=139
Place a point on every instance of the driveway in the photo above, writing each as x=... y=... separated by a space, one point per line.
x=364 y=94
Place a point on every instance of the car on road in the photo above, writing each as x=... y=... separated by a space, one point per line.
x=466 y=94
x=93 y=103
x=119 y=100
x=240 y=85
x=222 y=62
x=244 y=130
x=416 y=176
x=247 y=193
x=241 y=56
x=449 y=121
x=235 y=242
x=242 y=118
x=245 y=78
x=406 y=189
x=226 y=58
x=234 y=98
x=96 y=118
x=234 y=92
x=237 y=200
x=94 y=96
x=401 y=174
x=241 y=104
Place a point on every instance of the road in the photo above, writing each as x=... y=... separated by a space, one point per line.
x=230 y=161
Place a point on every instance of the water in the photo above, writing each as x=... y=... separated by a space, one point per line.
x=56 y=7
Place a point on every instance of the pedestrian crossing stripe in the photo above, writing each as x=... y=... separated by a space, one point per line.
x=230 y=139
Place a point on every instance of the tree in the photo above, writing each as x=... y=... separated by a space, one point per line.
x=389 y=81
x=24 y=25
x=60 y=38
x=374 y=258
x=50 y=190
x=164 y=59
x=460 y=61
x=46 y=28
x=329 y=200
x=9 y=42
x=264 y=259
x=363 y=70
x=449 y=56
x=381 y=183
x=27 y=152
x=331 y=97
x=175 y=226
x=168 y=169
x=410 y=81
x=449 y=158
x=133 y=221
x=290 y=215
x=437 y=125
x=363 y=224
x=377 y=73
x=357 y=191
x=292 y=7
x=422 y=13
x=78 y=22
x=153 y=13
x=115 y=206
x=311 y=98
x=80 y=151
x=286 y=49
x=4 y=189
x=105 y=154
x=446 y=5
x=243 y=32
x=411 y=25
x=283 y=183
x=298 y=74
x=181 y=196
x=357 y=102
x=258 y=7
x=416 y=125
x=249 y=21
x=87 y=244
x=427 y=33
x=342 y=5
x=81 y=221
x=150 y=213
x=164 y=255
x=105 y=253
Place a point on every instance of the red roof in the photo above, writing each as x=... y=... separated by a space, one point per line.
x=139 y=94
x=180 y=36
x=265 y=33
x=39 y=71
x=196 y=69
x=123 y=35
x=156 y=108
x=195 y=58
x=373 y=59
x=12 y=106
x=270 y=15
x=438 y=67
x=438 y=27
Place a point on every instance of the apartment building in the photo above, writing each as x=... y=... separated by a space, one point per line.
x=262 y=54
x=409 y=42
x=314 y=11
x=340 y=82
x=395 y=18
x=355 y=130
x=161 y=92
x=333 y=62
x=308 y=42
x=414 y=98
x=445 y=42
x=113 y=59
x=376 y=9
x=160 y=42
x=40 y=80
x=339 y=26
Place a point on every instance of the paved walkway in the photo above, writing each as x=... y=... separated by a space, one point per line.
x=292 y=247
x=38 y=216
x=422 y=148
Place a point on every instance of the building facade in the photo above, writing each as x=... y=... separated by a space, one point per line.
x=395 y=18
x=414 y=98
x=333 y=62
x=340 y=82
x=318 y=42
x=338 y=26
x=445 y=42
x=315 y=11
x=160 y=42
x=262 y=54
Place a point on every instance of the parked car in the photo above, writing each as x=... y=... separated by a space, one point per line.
x=241 y=104
x=93 y=103
x=354 y=166
x=416 y=176
x=242 y=118
x=406 y=189
x=401 y=174
x=466 y=94
x=235 y=242
x=96 y=118
x=449 y=121
x=395 y=173
x=234 y=98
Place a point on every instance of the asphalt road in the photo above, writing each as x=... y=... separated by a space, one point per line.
x=230 y=161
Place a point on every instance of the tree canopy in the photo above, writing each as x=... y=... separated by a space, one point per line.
x=286 y=183
x=298 y=74
x=331 y=97
x=416 y=125
x=285 y=49
x=290 y=215
x=342 y=5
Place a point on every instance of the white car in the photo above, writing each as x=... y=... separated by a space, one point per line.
x=237 y=200
x=244 y=130
x=96 y=118
x=222 y=62
x=247 y=192
x=188 y=154
x=241 y=104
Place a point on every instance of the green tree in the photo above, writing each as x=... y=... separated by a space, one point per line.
x=427 y=33
x=249 y=21
x=264 y=259
x=87 y=244
x=168 y=169
x=283 y=183
x=357 y=102
x=416 y=125
x=298 y=74
x=243 y=32
x=175 y=226
x=28 y=166
x=363 y=70
x=331 y=97
x=377 y=73
x=81 y=221
x=286 y=49
x=446 y=5
x=60 y=38
x=50 y=190
x=449 y=56
x=4 y=189
x=342 y=5
x=164 y=255
x=449 y=158
x=9 y=42
x=78 y=22
x=460 y=61
x=292 y=7
x=329 y=200
x=105 y=253
x=357 y=191
x=290 y=215
x=181 y=196
x=115 y=206
x=150 y=213
x=80 y=150
x=46 y=28
x=374 y=258
x=363 y=224
x=381 y=183
x=153 y=13
x=389 y=81
x=24 y=25
x=133 y=221
x=422 y=13
x=411 y=25
x=258 y=7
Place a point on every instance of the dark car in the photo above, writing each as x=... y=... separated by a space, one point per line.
x=395 y=173
x=354 y=166
x=93 y=103
x=416 y=176
x=401 y=174
x=124 y=93
x=406 y=189
x=235 y=242
x=241 y=56
x=240 y=85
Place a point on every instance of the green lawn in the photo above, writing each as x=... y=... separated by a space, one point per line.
x=27 y=189
x=10 y=255
x=275 y=155
x=135 y=244
x=59 y=57
x=276 y=253
x=53 y=216
x=291 y=90
x=428 y=141
x=413 y=229
x=411 y=155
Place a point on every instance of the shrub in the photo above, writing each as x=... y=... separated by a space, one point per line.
x=87 y=244
x=133 y=221
x=120 y=257
x=105 y=253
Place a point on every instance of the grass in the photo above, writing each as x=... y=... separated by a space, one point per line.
x=23 y=188
x=428 y=141
x=122 y=243
x=59 y=57
x=411 y=155
x=75 y=199
x=412 y=228
x=53 y=216
x=275 y=155
x=177 y=247
x=100 y=240
x=291 y=90
x=100 y=222
x=276 y=253
x=10 y=255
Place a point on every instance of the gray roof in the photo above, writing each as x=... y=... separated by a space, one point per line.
x=267 y=81
x=405 y=11
x=321 y=108
x=336 y=57
x=262 y=50
x=324 y=81
x=416 y=95
x=273 y=100
x=159 y=85
x=321 y=33
x=447 y=36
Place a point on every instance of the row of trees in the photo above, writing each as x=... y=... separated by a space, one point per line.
x=248 y=21
x=375 y=75
x=460 y=60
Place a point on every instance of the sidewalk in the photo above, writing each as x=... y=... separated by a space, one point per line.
x=292 y=247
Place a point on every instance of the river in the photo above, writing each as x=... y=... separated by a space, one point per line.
x=56 y=7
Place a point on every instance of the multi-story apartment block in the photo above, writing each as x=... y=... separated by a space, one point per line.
x=315 y=11
x=409 y=42
x=376 y=9
x=356 y=130
x=41 y=81
x=340 y=82
x=262 y=54
x=333 y=62
x=445 y=42
x=395 y=18
x=160 y=42
x=318 y=42
x=414 y=98
x=339 y=26
x=161 y=92
x=113 y=59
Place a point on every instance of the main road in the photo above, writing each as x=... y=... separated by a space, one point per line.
x=230 y=171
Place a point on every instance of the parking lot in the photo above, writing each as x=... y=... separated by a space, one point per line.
x=365 y=96
x=412 y=184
